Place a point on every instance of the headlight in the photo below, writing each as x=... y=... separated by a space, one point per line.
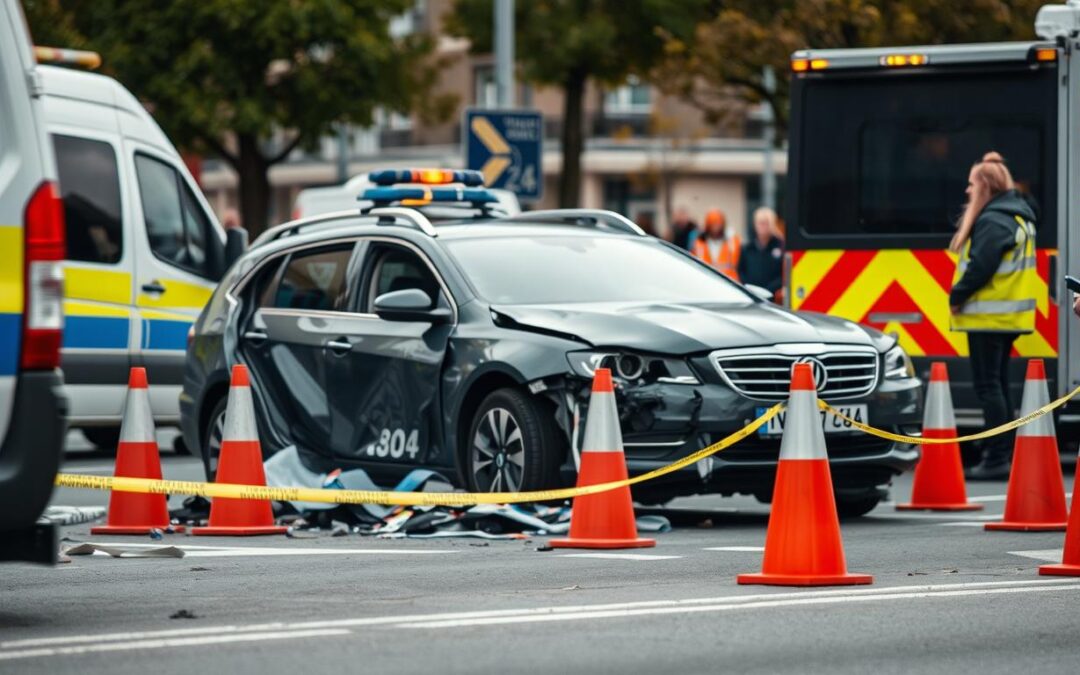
x=898 y=365
x=632 y=367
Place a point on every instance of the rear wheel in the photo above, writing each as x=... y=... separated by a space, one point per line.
x=855 y=506
x=104 y=438
x=213 y=433
x=513 y=444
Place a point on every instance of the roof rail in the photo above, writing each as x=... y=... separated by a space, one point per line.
x=599 y=218
x=412 y=216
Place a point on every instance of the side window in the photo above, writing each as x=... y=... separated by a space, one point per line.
x=178 y=229
x=315 y=280
x=397 y=269
x=90 y=189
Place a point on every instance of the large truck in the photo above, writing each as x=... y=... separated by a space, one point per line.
x=881 y=142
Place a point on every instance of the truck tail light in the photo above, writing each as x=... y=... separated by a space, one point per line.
x=43 y=309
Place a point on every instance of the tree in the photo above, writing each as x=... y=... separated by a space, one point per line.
x=566 y=43
x=250 y=81
x=727 y=54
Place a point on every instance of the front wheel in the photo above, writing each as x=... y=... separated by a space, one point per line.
x=513 y=444
x=856 y=506
x=213 y=433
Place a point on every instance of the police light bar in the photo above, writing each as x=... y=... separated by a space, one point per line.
x=902 y=60
x=801 y=65
x=427 y=177
x=67 y=57
x=419 y=196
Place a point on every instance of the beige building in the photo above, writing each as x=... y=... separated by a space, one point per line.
x=645 y=153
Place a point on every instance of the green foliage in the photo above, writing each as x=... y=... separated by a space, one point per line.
x=726 y=56
x=213 y=67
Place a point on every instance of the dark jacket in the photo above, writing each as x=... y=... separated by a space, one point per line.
x=762 y=266
x=993 y=234
x=681 y=235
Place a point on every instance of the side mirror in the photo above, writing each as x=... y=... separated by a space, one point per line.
x=759 y=292
x=409 y=304
x=236 y=242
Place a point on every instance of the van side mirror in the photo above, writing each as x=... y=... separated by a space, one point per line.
x=410 y=304
x=236 y=242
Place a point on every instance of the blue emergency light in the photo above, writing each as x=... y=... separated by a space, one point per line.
x=426 y=177
x=418 y=196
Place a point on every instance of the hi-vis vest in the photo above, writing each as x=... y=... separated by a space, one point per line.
x=727 y=260
x=1006 y=303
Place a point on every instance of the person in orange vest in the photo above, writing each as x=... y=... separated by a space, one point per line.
x=714 y=246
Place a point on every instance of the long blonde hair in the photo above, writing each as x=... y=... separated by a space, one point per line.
x=991 y=178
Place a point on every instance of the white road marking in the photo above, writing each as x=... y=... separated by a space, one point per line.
x=293 y=628
x=747 y=549
x=915 y=515
x=997 y=498
x=620 y=556
x=193 y=551
x=164 y=642
x=963 y=523
x=1050 y=555
x=87 y=469
x=835 y=598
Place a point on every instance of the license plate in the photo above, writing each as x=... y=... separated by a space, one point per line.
x=830 y=423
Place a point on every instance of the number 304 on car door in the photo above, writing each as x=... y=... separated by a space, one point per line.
x=395 y=444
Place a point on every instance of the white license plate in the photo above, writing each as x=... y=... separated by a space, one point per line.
x=830 y=423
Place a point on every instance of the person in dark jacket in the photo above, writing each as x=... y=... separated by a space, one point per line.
x=993 y=296
x=683 y=229
x=762 y=260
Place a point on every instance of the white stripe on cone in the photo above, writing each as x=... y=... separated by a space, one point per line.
x=939 y=408
x=240 y=416
x=803 y=435
x=1035 y=397
x=602 y=424
x=138 y=423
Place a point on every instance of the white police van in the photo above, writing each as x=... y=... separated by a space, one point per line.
x=31 y=320
x=144 y=250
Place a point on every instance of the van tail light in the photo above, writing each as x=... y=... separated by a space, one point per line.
x=43 y=309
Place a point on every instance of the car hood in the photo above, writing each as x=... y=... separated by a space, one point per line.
x=682 y=328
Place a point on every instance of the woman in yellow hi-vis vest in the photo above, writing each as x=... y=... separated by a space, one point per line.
x=993 y=295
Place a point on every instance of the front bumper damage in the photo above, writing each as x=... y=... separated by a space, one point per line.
x=664 y=422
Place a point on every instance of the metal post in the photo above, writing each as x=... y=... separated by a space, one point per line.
x=342 y=152
x=768 y=173
x=504 y=52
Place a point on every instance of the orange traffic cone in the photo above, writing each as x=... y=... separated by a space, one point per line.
x=939 y=476
x=803 y=545
x=240 y=463
x=1035 y=500
x=606 y=519
x=1070 y=559
x=137 y=457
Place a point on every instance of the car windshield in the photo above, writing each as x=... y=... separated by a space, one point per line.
x=575 y=268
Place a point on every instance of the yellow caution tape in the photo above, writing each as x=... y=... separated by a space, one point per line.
x=298 y=494
x=918 y=440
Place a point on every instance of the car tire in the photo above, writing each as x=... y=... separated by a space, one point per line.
x=103 y=438
x=856 y=506
x=513 y=444
x=180 y=447
x=213 y=430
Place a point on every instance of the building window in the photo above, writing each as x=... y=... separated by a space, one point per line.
x=633 y=98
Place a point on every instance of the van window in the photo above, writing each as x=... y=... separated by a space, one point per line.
x=315 y=280
x=177 y=227
x=883 y=158
x=90 y=190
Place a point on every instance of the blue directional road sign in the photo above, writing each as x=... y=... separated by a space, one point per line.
x=507 y=147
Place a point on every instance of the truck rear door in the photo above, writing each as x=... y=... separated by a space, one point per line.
x=878 y=168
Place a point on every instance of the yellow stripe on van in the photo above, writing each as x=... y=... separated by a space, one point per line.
x=166 y=316
x=78 y=308
x=178 y=295
x=11 y=269
x=81 y=283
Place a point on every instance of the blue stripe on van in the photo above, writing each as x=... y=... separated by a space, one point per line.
x=165 y=334
x=10 y=332
x=95 y=332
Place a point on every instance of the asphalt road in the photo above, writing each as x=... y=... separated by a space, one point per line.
x=947 y=598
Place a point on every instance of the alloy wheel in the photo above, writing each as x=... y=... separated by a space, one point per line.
x=498 y=453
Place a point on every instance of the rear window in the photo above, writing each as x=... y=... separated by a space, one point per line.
x=566 y=269
x=90 y=190
x=886 y=158
x=315 y=280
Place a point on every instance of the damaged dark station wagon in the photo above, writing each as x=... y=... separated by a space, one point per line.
x=451 y=337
